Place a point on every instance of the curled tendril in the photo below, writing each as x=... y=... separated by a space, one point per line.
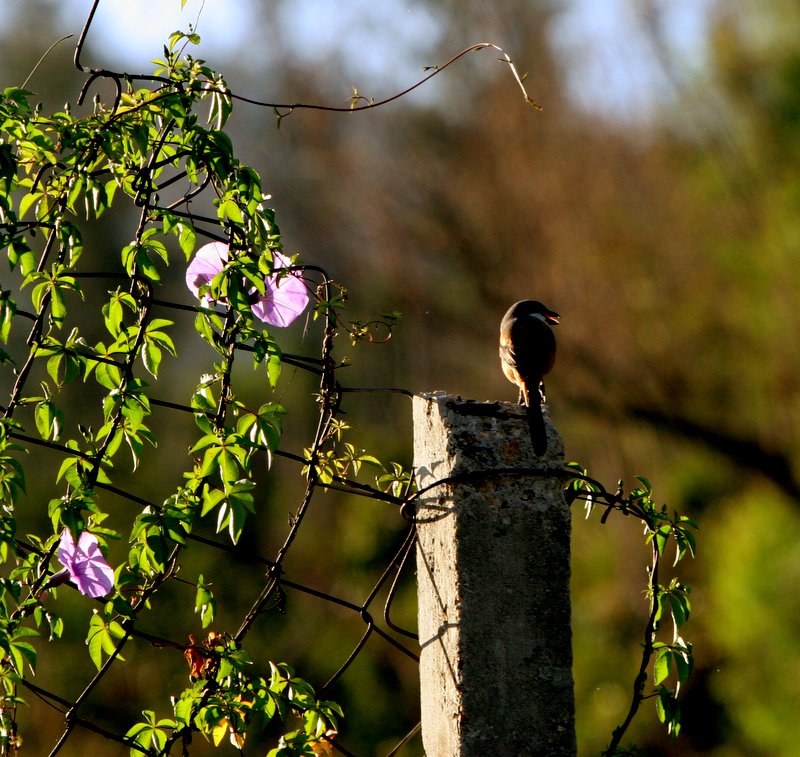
x=365 y=331
x=357 y=102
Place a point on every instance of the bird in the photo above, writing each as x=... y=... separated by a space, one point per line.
x=527 y=353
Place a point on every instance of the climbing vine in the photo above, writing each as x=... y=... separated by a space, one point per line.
x=667 y=660
x=158 y=148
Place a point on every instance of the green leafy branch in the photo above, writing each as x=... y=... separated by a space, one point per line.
x=55 y=167
x=228 y=696
x=672 y=660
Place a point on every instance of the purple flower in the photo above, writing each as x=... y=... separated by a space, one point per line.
x=85 y=564
x=285 y=296
x=206 y=264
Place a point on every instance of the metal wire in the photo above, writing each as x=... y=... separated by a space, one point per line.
x=277 y=577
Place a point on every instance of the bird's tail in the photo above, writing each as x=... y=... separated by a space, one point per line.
x=536 y=425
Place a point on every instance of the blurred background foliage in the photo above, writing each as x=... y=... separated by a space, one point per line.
x=654 y=202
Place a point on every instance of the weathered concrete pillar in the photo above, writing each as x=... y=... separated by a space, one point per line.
x=493 y=576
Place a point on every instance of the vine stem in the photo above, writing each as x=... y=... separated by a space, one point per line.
x=290 y=107
x=647 y=654
x=329 y=399
x=71 y=717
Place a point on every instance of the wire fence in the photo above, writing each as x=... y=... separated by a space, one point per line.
x=373 y=610
x=47 y=387
x=213 y=582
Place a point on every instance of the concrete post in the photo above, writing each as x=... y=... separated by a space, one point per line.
x=493 y=578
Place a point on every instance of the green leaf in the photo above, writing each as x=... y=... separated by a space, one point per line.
x=680 y=608
x=684 y=661
x=661 y=536
x=71 y=470
x=668 y=710
x=22 y=651
x=230 y=211
x=151 y=356
x=184 y=708
x=114 y=311
x=135 y=257
x=233 y=509
x=102 y=639
x=19 y=254
x=65 y=366
x=228 y=466
x=108 y=376
x=210 y=462
x=186 y=239
x=211 y=498
x=263 y=427
x=49 y=420
x=157 y=248
x=55 y=624
x=662 y=665
x=74 y=192
x=27 y=201
x=8 y=309
x=205 y=603
x=151 y=734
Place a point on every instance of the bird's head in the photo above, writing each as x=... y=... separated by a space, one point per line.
x=535 y=308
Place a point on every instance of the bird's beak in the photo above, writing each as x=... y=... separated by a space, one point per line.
x=552 y=318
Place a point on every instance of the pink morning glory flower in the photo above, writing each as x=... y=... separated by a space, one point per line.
x=284 y=298
x=85 y=564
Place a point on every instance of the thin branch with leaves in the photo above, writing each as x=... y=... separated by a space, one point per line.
x=671 y=659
